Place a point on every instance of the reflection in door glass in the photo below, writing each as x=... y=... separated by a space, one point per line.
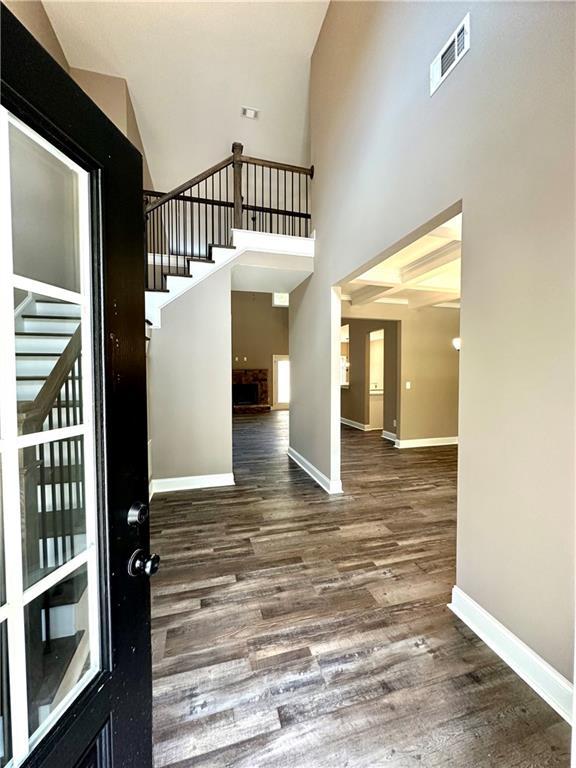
x=44 y=214
x=57 y=644
x=48 y=363
x=47 y=446
x=52 y=506
x=5 y=745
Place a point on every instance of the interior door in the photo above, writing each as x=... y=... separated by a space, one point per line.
x=75 y=666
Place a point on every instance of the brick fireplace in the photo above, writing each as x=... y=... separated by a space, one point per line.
x=250 y=390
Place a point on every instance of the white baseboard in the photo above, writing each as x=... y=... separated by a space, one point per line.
x=426 y=442
x=389 y=435
x=190 y=483
x=355 y=424
x=553 y=687
x=358 y=425
x=330 y=486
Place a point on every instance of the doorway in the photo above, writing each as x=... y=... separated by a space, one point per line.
x=281 y=382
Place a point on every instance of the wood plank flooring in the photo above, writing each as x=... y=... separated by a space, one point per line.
x=292 y=629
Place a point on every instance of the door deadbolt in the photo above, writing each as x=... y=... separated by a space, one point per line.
x=138 y=513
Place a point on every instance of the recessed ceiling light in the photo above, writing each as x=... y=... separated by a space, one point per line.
x=250 y=112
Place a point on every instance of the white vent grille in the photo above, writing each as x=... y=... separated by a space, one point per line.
x=250 y=112
x=451 y=53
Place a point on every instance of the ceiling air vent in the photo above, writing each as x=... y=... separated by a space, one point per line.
x=450 y=55
x=250 y=112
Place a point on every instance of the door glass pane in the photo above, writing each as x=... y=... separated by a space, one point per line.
x=44 y=194
x=52 y=505
x=5 y=740
x=57 y=644
x=50 y=492
x=48 y=362
x=283 y=381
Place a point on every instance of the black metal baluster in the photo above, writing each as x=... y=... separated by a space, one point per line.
x=300 y=204
x=69 y=411
x=59 y=411
x=307 y=234
x=55 y=511
x=43 y=505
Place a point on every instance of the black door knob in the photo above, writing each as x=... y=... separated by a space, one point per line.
x=138 y=513
x=141 y=564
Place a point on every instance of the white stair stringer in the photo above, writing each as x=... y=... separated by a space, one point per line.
x=260 y=262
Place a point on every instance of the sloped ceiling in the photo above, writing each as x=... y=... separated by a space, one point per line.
x=191 y=66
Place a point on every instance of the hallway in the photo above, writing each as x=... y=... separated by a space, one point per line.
x=299 y=630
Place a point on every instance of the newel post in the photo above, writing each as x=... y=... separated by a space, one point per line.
x=237 y=150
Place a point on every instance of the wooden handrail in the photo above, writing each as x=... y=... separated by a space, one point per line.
x=45 y=399
x=236 y=157
x=190 y=183
x=279 y=166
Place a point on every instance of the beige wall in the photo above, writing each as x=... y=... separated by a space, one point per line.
x=108 y=93
x=498 y=135
x=427 y=360
x=190 y=390
x=259 y=331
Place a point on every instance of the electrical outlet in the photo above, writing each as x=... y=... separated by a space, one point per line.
x=408 y=385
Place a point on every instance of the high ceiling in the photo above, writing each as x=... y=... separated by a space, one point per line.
x=425 y=273
x=191 y=66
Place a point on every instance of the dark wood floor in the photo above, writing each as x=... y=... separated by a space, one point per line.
x=300 y=630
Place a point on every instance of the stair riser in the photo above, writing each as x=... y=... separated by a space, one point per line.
x=27 y=390
x=32 y=343
x=49 y=308
x=63 y=621
x=35 y=366
x=43 y=325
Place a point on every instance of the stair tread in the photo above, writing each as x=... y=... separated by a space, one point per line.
x=49 y=317
x=50 y=334
x=38 y=354
x=54 y=301
x=39 y=377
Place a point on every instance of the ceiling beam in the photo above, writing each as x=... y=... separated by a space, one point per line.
x=429 y=298
x=431 y=262
x=370 y=293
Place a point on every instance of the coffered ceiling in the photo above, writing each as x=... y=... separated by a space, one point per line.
x=424 y=273
x=191 y=66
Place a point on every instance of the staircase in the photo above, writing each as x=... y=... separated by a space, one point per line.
x=49 y=395
x=244 y=212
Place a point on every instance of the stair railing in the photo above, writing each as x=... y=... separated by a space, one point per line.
x=52 y=478
x=241 y=192
x=52 y=492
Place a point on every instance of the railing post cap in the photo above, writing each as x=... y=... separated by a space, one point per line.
x=237 y=148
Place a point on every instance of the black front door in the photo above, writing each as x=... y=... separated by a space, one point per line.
x=75 y=666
